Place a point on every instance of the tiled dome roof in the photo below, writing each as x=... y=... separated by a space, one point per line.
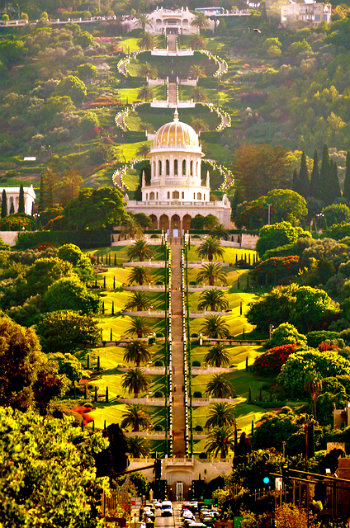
x=176 y=134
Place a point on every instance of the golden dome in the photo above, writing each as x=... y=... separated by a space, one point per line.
x=176 y=134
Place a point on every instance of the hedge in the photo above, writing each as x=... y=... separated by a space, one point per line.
x=83 y=239
x=315 y=338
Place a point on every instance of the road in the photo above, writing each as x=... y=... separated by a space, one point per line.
x=169 y=522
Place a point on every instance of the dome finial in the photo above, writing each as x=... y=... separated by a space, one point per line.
x=176 y=116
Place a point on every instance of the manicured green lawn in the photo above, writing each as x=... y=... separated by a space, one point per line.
x=119 y=324
x=121 y=253
x=233 y=299
x=129 y=151
x=132 y=179
x=131 y=95
x=236 y=324
x=229 y=254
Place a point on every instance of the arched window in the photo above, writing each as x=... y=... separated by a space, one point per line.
x=168 y=194
x=151 y=196
x=184 y=167
x=191 y=168
x=157 y=196
x=167 y=164
x=176 y=195
x=199 y=196
x=154 y=168
x=182 y=195
x=160 y=167
x=146 y=196
x=176 y=167
x=194 y=196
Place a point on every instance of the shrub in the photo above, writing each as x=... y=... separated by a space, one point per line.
x=198 y=428
x=197 y=394
x=276 y=269
x=158 y=363
x=270 y=362
x=158 y=394
x=17 y=222
x=196 y=364
x=314 y=339
x=286 y=334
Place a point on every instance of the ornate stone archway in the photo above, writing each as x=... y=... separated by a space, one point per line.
x=164 y=222
x=154 y=221
x=186 y=222
x=175 y=227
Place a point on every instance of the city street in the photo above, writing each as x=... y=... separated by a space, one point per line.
x=169 y=522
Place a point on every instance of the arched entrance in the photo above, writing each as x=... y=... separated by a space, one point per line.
x=164 y=223
x=176 y=226
x=154 y=221
x=186 y=222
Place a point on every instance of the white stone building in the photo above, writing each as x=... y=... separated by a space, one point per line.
x=12 y=196
x=175 y=193
x=308 y=12
x=168 y=21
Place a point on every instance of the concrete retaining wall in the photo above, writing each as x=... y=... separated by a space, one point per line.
x=9 y=237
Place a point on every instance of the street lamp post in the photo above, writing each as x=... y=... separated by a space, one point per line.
x=268 y=213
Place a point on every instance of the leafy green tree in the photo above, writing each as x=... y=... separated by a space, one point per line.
x=302 y=306
x=301 y=366
x=76 y=332
x=21 y=200
x=336 y=214
x=83 y=39
x=139 y=275
x=219 y=386
x=346 y=191
x=218 y=356
x=286 y=334
x=135 y=417
x=286 y=205
x=72 y=87
x=215 y=326
x=276 y=235
x=136 y=381
x=87 y=71
x=210 y=248
x=140 y=251
x=20 y=361
x=137 y=352
x=96 y=209
x=213 y=273
x=80 y=262
x=69 y=293
x=52 y=462
x=11 y=51
x=138 y=300
x=213 y=299
x=221 y=415
x=44 y=272
x=138 y=446
x=58 y=104
x=220 y=441
x=89 y=121
x=3 y=204
x=68 y=365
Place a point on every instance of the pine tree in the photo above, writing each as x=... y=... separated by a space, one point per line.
x=325 y=174
x=346 y=191
x=21 y=200
x=315 y=186
x=304 y=182
x=3 y=204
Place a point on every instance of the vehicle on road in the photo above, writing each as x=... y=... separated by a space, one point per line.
x=167 y=508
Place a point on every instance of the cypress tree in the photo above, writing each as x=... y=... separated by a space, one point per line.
x=12 y=208
x=346 y=192
x=315 y=189
x=325 y=174
x=295 y=181
x=41 y=206
x=21 y=200
x=3 y=204
x=303 y=178
x=332 y=184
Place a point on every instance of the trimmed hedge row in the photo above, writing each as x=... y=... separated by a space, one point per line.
x=83 y=239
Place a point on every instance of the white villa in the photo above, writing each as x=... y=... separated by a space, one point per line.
x=175 y=193
x=168 y=21
x=12 y=196
x=309 y=12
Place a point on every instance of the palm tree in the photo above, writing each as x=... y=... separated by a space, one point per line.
x=210 y=248
x=146 y=42
x=199 y=125
x=212 y=273
x=139 y=275
x=144 y=149
x=215 y=326
x=198 y=94
x=140 y=251
x=139 y=327
x=196 y=71
x=219 y=387
x=218 y=356
x=214 y=299
x=138 y=447
x=147 y=70
x=220 y=232
x=135 y=417
x=220 y=440
x=200 y=21
x=131 y=228
x=144 y=20
x=313 y=385
x=137 y=352
x=196 y=42
x=145 y=93
x=135 y=380
x=138 y=300
x=221 y=415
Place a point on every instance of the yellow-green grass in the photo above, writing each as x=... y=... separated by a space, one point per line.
x=211 y=94
x=229 y=254
x=132 y=94
x=236 y=323
x=238 y=354
x=121 y=297
x=132 y=179
x=121 y=253
x=234 y=300
x=129 y=151
x=115 y=355
x=119 y=324
x=232 y=274
x=129 y=45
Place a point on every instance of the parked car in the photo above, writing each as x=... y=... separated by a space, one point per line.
x=167 y=508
